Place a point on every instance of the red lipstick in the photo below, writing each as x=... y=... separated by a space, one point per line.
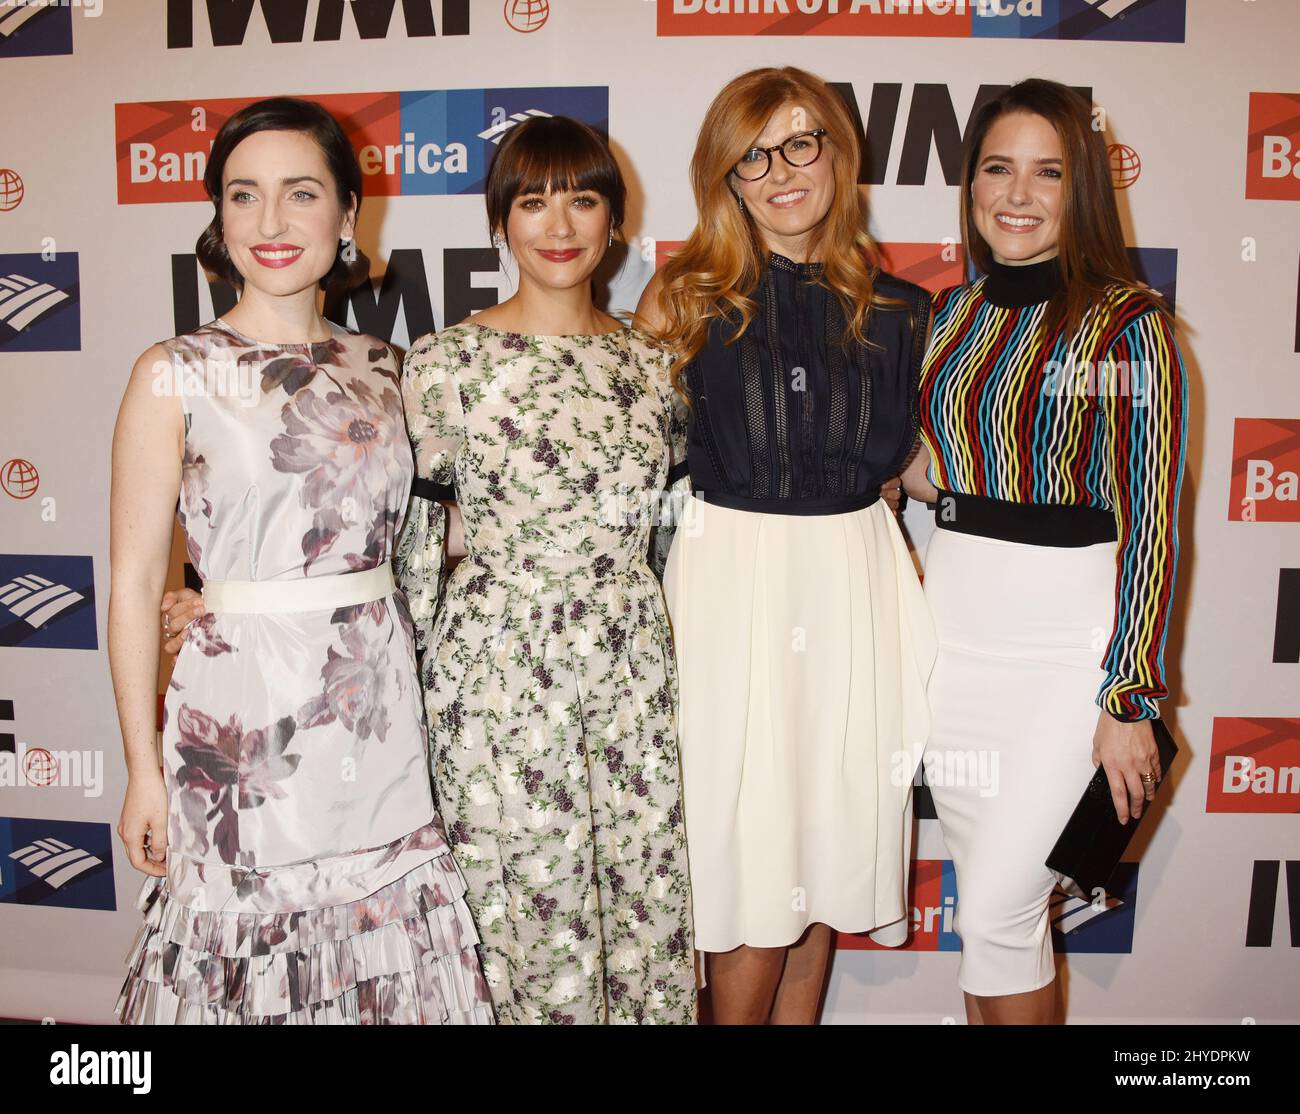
x=276 y=255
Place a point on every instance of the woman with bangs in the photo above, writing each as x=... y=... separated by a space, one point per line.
x=803 y=640
x=550 y=685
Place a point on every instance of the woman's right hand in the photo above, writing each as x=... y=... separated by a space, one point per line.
x=143 y=826
x=180 y=609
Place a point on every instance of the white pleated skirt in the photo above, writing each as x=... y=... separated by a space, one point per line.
x=804 y=645
x=1022 y=631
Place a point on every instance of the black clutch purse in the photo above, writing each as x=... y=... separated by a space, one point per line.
x=1093 y=840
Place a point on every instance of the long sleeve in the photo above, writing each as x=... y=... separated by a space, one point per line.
x=1145 y=404
x=677 y=484
x=435 y=421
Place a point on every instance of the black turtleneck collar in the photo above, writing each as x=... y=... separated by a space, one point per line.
x=1010 y=287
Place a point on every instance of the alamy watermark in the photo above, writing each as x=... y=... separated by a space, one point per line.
x=1108 y=379
x=91 y=9
x=973 y=769
x=211 y=378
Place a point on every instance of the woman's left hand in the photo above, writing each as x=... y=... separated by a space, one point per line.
x=891 y=491
x=1127 y=751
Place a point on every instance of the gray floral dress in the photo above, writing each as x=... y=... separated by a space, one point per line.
x=308 y=876
x=549 y=679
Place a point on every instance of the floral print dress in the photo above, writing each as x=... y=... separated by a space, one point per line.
x=308 y=877
x=549 y=678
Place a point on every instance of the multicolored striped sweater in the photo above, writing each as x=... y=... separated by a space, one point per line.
x=1096 y=419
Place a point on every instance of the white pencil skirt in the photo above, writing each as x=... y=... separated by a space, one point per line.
x=804 y=645
x=1022 y=630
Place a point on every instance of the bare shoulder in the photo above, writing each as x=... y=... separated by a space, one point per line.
x=151 y=360
x=151 y=402
x=153 y=376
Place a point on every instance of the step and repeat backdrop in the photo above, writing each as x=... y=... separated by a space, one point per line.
x=111 y=111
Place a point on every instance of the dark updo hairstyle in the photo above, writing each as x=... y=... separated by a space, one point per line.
x=286 y=114
x=552 y=153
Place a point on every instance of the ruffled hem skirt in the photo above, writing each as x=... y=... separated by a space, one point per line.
x=804 y=645
x=405 y=954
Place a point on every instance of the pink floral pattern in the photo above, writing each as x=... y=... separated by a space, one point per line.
x=294 y=749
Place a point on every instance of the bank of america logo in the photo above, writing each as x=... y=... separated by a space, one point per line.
x=65 y=864
x=47 y=601
x=497 y=132
x=1102 y=924
x=14 y=13
x=36 y=27
x=40 y=299
x=36 y=600
x=1111 y=8
x=56 y=863
x=24 y=300
x=1068 y=913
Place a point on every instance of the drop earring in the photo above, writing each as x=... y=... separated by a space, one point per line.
x=498 y=241
x=610 y=243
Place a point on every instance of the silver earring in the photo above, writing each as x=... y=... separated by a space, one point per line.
x=611 y=241
x=498 y=242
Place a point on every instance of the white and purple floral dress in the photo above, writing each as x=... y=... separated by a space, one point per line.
x=308 y=877
x=548 y=666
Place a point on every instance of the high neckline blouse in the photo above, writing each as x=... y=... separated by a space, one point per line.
x=1015 y=287
x=788 y=417
x=783 y=263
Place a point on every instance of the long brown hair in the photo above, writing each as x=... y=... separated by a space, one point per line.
x=722 y=260
x=1091 y=249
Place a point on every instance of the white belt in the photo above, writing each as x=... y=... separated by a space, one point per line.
x=310 y=593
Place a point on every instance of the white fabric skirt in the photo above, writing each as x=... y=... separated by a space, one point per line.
x=1022 y=631
x=803 y=645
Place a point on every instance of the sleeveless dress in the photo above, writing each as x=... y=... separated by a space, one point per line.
x=308 y=878
x=803 y=637
x=550 y=684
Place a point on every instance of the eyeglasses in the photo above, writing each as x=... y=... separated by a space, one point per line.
x=799 y=150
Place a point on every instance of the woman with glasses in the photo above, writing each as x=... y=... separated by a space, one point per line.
x=803 y=640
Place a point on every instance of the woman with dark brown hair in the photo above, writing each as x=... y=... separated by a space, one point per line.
x=551 y=689
x=299 y=873
x=802 y=635
x=1053 y=411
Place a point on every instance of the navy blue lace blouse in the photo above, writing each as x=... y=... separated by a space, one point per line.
x=788 y=420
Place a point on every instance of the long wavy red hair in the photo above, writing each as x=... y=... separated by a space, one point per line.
x=720 y=263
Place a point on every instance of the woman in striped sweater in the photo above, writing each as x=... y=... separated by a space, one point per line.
x=1053 y=409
